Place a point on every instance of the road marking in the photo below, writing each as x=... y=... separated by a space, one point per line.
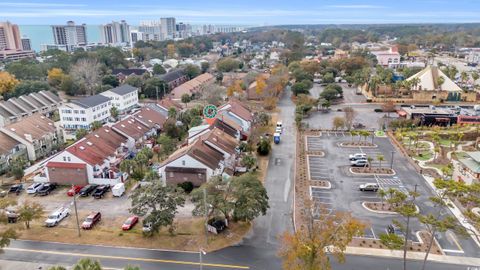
x=127 y=258
x=454 y=251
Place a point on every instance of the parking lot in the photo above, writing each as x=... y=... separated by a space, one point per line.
x=345 y=195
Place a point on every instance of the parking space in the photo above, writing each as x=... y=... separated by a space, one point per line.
x=336 y=134
x=322 y=199
x=318 y=168
x=315 y=143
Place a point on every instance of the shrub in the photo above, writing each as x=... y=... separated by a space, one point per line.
x=186 y=186
x=263 y=147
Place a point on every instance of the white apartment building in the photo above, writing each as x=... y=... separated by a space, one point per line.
x=83 y=112
x=124 y=97
x=70 y=35
x=115 y=33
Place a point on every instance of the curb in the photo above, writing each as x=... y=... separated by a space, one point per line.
x=375 y=252
x=357 y=146
x=386 y=212
x=378 y=211
x=387 y=174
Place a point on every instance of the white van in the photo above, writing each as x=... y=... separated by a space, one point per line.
x=118 y=190
x=279 y=124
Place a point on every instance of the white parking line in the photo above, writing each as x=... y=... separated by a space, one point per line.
x=374 y=236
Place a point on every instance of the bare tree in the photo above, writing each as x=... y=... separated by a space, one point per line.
x=212 y=94
x=87 y=73
x=350 y=115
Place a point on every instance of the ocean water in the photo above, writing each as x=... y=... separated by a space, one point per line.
x=42 y=34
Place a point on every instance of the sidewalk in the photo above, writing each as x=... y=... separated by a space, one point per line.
x=17 y=265
x=468 y=261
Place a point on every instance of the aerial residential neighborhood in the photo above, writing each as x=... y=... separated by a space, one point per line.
x=250 y=135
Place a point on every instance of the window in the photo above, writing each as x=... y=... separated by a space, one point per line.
x=82 y=111
x=183 y=162
x=84 y=119
x=64 y=158
x=170 y=174
x=75 y=111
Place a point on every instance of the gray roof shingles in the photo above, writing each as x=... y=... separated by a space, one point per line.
x=123 y=89
x=91 y=101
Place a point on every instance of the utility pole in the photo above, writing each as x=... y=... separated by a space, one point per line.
x=201 y=252
x=391 y=161
x=206 y=215
x=156 y=89
x=76 y=212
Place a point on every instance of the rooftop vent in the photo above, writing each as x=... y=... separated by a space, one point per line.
x=122 y=125
x=89 y=143
x=96 y=136
x=82 y=148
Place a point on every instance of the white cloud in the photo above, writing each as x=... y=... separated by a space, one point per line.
x=33 y=5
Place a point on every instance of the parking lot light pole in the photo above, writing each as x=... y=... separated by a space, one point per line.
x=391 y=160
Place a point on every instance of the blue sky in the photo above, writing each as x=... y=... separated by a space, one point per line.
x=245 y=12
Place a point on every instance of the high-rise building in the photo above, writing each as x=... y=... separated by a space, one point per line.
x=10 y=36
x=168 y=28
x=26 y=44
x=150 y=29
x=70 y=35
x=135 y=36
x=116 y=33
x=183 y=30
x=11 y=46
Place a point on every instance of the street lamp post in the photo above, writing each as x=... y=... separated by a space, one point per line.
x=391 y=160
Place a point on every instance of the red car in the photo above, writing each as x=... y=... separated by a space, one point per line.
x=129 y=223
x=91 y=220
x=74 y=190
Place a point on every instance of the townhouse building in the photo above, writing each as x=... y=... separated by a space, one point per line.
x=83 y=112
x=124 y=97
x=10 y=150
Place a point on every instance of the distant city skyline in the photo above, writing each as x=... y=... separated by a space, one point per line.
x=247 y=12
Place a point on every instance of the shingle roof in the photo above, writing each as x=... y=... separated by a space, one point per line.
x=167 y=103
x=222 y=140
x=6 y=144
x=35 y=125
x=238 y=109
x=97 y=146
x=129 y=71
x=191 y=86
x=90 y=101
x=51 y=96
x=123 y=89
x=131 y=127
x=200 y=152
x=150 y=117
x=172 y=75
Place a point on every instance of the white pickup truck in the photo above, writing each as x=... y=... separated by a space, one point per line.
x=56 y=216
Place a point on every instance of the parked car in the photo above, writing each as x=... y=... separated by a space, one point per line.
x=17 y=188
x=87 y=190
x=369 y=187
x=56 y=216
x=100 y=191
x=279 y=124
x=3 y=193
x=359 y=163
x=33 y=188
x=46 y=189
x=74 y=190
x=357 y=156
x=129 y=223
x=278 y=130
x=276 y=138
x=147 y=227
x=91 y=220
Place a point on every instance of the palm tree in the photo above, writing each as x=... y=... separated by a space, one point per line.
x=96 y=125
x=87 y=264
x=414 y=82
x=353 y=133
x=382 y=194
x=475 y=77
x=440 y=81
x=380 y=158
x=172 y=113
x=369 y=160
x=464 y=77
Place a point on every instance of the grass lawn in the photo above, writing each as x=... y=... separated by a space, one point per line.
x=425 y=155
x=460 y=155
x=445 y=142
x=440 y=167
x=190 y=234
